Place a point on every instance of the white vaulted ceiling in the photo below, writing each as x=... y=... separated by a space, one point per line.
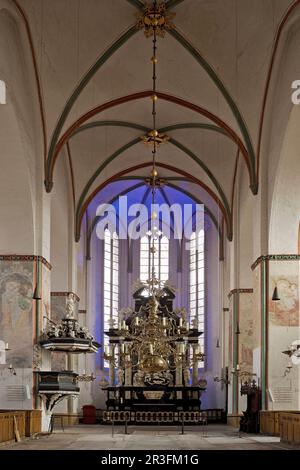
x=234 y=37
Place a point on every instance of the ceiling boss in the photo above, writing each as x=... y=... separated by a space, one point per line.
x=156 y=19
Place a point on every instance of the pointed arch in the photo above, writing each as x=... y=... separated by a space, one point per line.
x=190 y=177
x=136 y=96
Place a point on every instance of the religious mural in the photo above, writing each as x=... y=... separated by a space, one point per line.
x=284 y=312
x=16 y=326
x=256 y=306
x=230 y=336
x=247 y=330
x=46 y=282
x=58 y=311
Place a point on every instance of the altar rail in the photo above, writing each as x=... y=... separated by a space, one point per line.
x=165 y=417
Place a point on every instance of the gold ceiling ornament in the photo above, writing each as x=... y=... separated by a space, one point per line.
x=155 y=17
x=155 y=136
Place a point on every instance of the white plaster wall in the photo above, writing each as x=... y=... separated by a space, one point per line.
x=61 y=229
x=285 y=208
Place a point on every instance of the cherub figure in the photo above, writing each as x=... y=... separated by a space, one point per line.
x=70 y=306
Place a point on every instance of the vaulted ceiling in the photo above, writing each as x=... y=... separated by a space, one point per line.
x=95 y=78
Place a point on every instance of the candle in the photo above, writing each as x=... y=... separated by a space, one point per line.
x=6 y=346
x=237 y=367
x=122 y=348
x=106 y=350
x=151 y=348
x=124 y=324
x=137 y=321
x=180 y=321
x=182 y=348
x=164 y=321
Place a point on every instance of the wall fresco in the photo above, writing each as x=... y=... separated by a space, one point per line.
x=16 y=322
x=246 y=322
x=284 y=312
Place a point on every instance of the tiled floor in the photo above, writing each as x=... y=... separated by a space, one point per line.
x=214 y=437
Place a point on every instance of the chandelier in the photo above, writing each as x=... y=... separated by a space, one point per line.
x=149 y=340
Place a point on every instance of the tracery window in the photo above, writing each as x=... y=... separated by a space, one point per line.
x=197 y=284
x=111 y=281
x=161 y=258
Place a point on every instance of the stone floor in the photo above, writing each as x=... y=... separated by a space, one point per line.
x=97 y=437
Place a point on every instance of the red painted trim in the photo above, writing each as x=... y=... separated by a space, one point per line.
x=36 y=73
x=64 y=294
x=25 y=258
x=161 y=165
x=136 y=96
x=240 y=291
x=268 y=81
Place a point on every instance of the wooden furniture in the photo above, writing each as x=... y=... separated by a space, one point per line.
x=55 y=386
x=269 y=422
x=9 y=421
x=33 y=422
x=249 y=422
x=290 y=427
